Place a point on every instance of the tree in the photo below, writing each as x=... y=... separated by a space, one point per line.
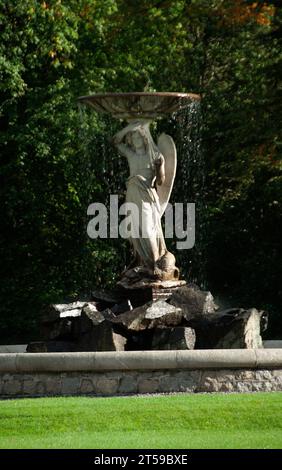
x=53 y=155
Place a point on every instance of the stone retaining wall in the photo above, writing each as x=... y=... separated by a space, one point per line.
x=126 y=373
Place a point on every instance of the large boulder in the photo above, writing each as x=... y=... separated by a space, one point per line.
x=57 y=320
x=180 y=337
x=150 y=315
x=55 y=312
x=101 y=337
x=193 y=301
x=230 y=329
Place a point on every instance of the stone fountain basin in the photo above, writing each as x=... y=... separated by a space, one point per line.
x=139 y=104
x=116 y=373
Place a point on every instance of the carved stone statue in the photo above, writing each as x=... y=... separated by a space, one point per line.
x=152 y=171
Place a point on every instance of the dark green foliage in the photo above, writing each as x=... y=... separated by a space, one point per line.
x=54 y=160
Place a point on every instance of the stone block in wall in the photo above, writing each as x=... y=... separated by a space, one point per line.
x=189 y=380
x=168 y=383
x=12 y=386
x=70 y=385
x=40 y=387
x=54 y=384
x=29 y=386
x=263 y=375
x=225 y=375
x=106 y=386
x=208 y=382
x=148 y=385
x=244 y=375
x=87 y=385
x=243 y=387
x=226 y=387
x=128 y=384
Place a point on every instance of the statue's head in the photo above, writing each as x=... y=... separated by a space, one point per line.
x=137 y=139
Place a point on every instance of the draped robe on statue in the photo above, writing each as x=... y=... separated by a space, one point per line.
x=150 y=199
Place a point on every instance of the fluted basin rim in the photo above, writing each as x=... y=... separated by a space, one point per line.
x=136 y=105
x=190 y=96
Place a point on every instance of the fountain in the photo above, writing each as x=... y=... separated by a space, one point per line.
x=152 y=173
x=151 y=307
x=126 y=332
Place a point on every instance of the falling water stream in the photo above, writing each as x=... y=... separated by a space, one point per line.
x=189 y=187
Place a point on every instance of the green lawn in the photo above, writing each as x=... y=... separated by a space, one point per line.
x=174 y=421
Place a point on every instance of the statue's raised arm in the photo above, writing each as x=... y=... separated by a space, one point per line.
x=119 y=139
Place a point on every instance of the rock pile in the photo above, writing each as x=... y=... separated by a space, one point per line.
x=187 y=319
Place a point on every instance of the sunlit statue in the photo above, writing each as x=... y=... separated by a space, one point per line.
x=152 y=171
